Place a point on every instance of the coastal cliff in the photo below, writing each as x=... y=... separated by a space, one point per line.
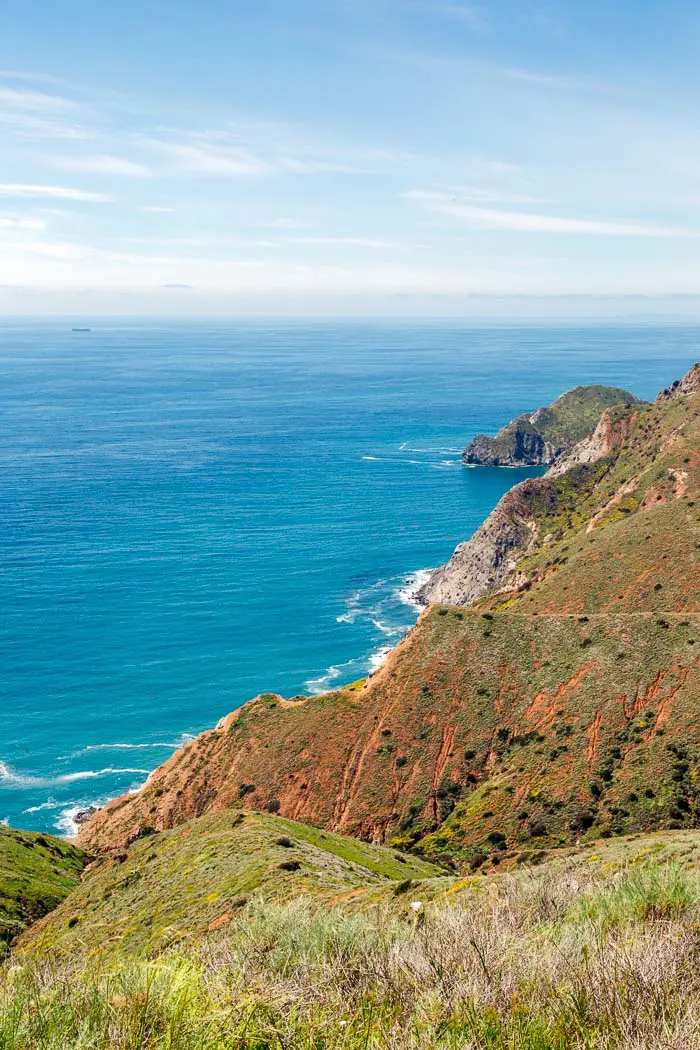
x=541 y=438
x=562 y=703
x=488 y=561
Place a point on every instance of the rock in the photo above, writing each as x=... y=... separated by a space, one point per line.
x=518 y=444
x=689 y=384
x=83 y=816
x=485 y=562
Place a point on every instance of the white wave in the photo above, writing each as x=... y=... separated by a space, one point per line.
x=317 y=686
x=49 y=804
x=9 y=777
x=377 y=658
x=384 y=459
x=440 y=449
x=66 y=823
x=383 y=604
x=412 y=584
x=5 y=822
x=169 y=745
x=390 y=632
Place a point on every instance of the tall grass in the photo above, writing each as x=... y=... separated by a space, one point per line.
x=530 y=963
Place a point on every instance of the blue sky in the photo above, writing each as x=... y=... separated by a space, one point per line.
x=349 y=157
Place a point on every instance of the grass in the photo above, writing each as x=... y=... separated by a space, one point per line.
x=563 y=957
x=575 y=414
x=36 y=873
x=186 y=883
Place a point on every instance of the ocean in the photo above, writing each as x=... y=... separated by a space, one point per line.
x=196 y=513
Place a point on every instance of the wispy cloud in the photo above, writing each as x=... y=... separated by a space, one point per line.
x=33 y=101
x=342 y=242
x=17 y=222
x=263 y=150
x=36 y=114
x=477 y=195
x=29 y=76
x=203 y=155
x=553 y=81
x=103 y=164
x=66 y=193
x=534 y=222
x=64 y=251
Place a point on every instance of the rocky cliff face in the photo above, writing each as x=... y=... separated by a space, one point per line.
x=519 y=444
x=487 y=561
x=689 y=384
x=612 y=432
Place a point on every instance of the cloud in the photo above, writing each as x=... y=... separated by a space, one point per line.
x=103 y=164
x=259 y=149
x=16 y=222
x=310 y=166
x=33 y=101
x=66 y=193
x=479 y=195
x=554 y=81
x=36 y=114
x=350 y=242
x=29 y=76
x=533 y=222
x=64 y=251
x=206 y=157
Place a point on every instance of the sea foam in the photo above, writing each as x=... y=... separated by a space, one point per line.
x=10 y=778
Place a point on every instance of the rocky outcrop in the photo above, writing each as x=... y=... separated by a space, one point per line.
x=612 y=432
x=517 y=445
x=689 y=384
x=541 y=438
x=485 y=562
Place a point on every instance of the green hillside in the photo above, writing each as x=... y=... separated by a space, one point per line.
x=575 y=414
x=37 y=872
x=171 y=888
x=595 y=950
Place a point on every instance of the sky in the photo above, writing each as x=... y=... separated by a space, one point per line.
x=350 y=157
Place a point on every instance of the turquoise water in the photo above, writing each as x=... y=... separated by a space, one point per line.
x=195 y=514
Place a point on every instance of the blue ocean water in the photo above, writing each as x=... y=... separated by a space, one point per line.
x=193 y=514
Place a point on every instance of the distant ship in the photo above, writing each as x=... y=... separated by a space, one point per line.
x=82 y=329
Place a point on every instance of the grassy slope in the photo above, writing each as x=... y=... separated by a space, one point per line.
x=622 y=534
x=36 y=873
x=171 y=888
x=594 y=949
x=575 y=414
